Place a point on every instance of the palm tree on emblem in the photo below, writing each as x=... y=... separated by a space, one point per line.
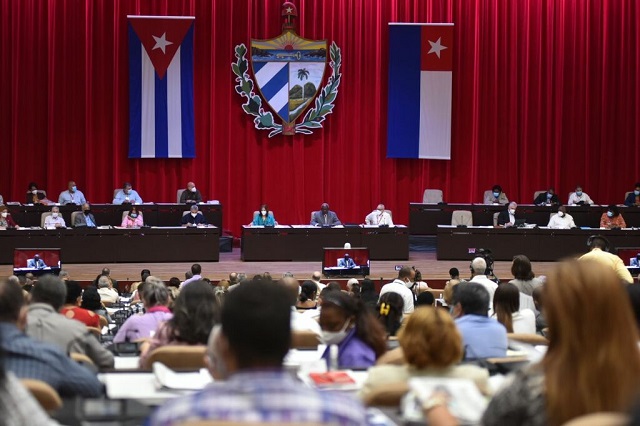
x=303 y=74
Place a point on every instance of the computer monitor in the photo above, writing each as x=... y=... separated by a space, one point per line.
x=46 y=262
x=631 y=258
x=335 y=263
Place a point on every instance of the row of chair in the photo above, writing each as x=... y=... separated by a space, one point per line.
x=434 y=196
x=43 y=193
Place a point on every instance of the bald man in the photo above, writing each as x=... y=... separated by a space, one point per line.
x=379 y=217
x=325 y=217
x=191 y=194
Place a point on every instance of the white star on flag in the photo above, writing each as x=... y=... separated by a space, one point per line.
x=162 y=43
x=436 y=47
x=289 y=10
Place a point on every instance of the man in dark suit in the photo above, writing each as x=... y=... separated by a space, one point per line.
x=507 y=218
x=36 y=263
x=86 y=218
x=194 y=218
x=346 y=262
x=549 y=197
x=325 y=217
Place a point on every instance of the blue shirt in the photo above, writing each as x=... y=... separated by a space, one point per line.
x=134 y=198
x=353 y=352
x=258 y=220
x=482 y=337
x=262 y=396
x=67 y=197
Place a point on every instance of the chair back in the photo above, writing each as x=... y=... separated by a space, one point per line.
x=43 y=216
x=532 y=339
x=432 y=196
x=179 y=194
x=81 y=359
x=124 y=214
x=46 y=396
x=115 y=192
x=569 y=197
x=461 y=217
x=495 y=218
x=73 y=216
x=178 y=357
x=95 y=331
x=487 y=193
x=626 y=194
x=304 y=340
x=600 y=419
x=103 y=321
x=388 y=395
x=535 y=194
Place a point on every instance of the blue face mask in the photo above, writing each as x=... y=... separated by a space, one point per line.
x=549 y=195
x=73 y=189
x=134 y=215
x=610 y=214
x=579 y=193
x=496 y=194
x=636 y=192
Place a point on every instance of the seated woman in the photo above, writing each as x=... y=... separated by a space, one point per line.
x=307 y=297
x=506 y=307
x=155 y=297
x=591 y=329
x=347 y=323
x=195 y=312
x=92 y=302
x=264 y=217
x=390 y=312
x=5 y=219
x=432 y=347
x=36 y=197
x=612 y=218
x=134 y=219
x=71 y=308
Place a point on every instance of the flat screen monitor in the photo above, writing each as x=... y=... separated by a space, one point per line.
x=338 y=261
x=36 y=260
x=631 y=258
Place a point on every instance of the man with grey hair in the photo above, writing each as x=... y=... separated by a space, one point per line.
x=316 y=277
x=478 y=270
x=507 y=218
x=155 y=296
x=106 y=291
x=54 y=220
x=194 y=217
x=379 y=217
x=46 y=324
x=64 y=275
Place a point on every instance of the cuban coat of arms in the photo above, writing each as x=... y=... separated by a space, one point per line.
x=288 y=72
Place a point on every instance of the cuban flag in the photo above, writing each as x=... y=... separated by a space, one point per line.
x=161 y=117
x=420 y=91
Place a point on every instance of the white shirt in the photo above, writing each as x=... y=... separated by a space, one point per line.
x=51 y=222
x=524 y=321
x=320 y=285
x=398 y=286
x=557 y=222
x=377 y=218
x=300 y=322
x=108 y=295
x=488 y=284
x=574 y=199
x=512 y=218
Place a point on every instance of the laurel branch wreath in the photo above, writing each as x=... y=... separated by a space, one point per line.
x=264 y=120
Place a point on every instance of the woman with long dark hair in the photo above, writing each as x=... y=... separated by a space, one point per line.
x=390 y=312
x=506 y=307
x=307 y=297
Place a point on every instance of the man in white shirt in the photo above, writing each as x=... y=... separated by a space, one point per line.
x=578 y=197
x=379 y=217
x=561 y=220
x=478 y=269
x=316 y=277
x=105 y=290
x=54 y=220
x=402 y=285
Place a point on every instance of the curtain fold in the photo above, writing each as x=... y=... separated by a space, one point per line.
x=545 y=93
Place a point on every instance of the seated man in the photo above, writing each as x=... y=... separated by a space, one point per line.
x=599 y=252
x=46 y=324
x=72 y=195
x=86 y=218
x=479 y=275
x=55 y=220
x=325 y=217
x=127 y=195
x=191 y=194
x=547 y=198
x=245 y=356
x=402 y=285
x=633 y=199
x=106 y=290
x=346 y=262
x=36 y=263
x=482 y=337
x=496 y=196
x=507 y=218
x=194 y=218
x=30 y=359
x=561 y=220
x=379 y=217
x=579 y=198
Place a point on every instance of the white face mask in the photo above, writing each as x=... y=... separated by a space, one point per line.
x=334 y=337
x=54 y=215
x=512 y=211
x=194 y=214
x=34 y=192
x=409 y=284
x=5 y=214
x=561 y=214
x=193 y=189
x=264 y=212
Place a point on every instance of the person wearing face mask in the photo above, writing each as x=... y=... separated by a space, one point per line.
x=547 y=198
x=507 y=218
x=34 y=196
x=134 y=219
x=402 y=286
x=264 y=217
x=72 y=195
x=495 y=196
x=379 y=217
x=561 y=220
x=633 y=199
x=127 y=195
x=5 y=219
x=579 y=198
x=193 y=218
x=54 y=220
x=86 y=218
x=346 y=322
x=191 y=194
x=612 y=218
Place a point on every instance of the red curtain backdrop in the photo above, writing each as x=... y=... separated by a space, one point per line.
x=546 y=92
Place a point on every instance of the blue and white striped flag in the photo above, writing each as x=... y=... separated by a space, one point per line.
x=161 y=117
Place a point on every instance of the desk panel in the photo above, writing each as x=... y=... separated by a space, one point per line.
x=87 y=245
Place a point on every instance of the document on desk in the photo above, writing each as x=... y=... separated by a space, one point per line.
x=166 y=378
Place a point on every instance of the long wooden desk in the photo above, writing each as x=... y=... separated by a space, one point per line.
x=111 y=214
x=540 y=244
x=425 y=218
x=92 y=245
x=286 y=243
